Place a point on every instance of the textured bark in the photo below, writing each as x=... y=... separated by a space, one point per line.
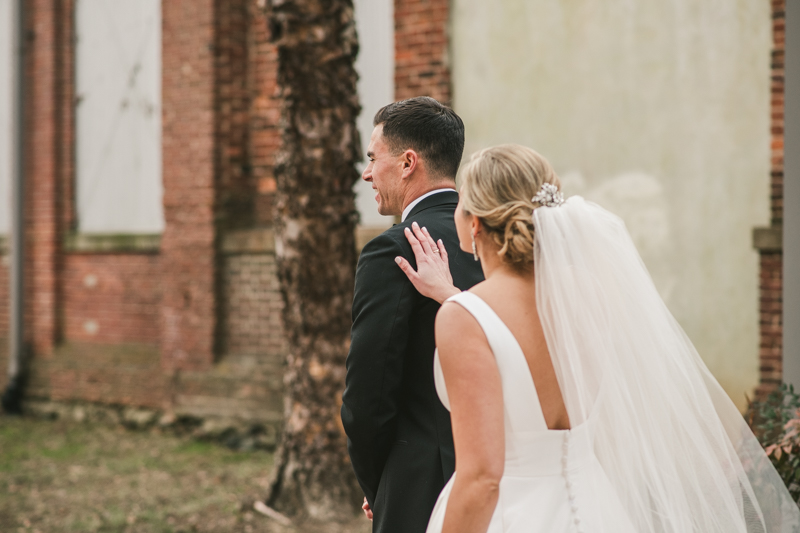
x=315 y=219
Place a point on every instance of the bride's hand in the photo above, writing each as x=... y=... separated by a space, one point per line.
x=432 y=277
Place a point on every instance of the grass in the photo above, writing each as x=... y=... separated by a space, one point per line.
x=64 y=477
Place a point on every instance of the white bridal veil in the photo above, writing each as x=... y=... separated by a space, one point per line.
x=676 y=449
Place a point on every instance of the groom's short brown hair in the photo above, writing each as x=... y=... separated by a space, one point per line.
x=428 y=127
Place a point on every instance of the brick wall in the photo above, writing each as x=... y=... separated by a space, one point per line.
x=111 y=299
x=776 y=109
x=254 y=301
x=770 y=281
x=234 y=185
x=421 y=49
x=192 y=325
x=770 y=326
x=188 y=243
x=41 y=209
x=65 y=119
x=264 y=113
x=179 y=326
x=115 y=374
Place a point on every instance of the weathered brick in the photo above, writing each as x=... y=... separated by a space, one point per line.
x=186 y=326
x=771 y=265
x=421 y=66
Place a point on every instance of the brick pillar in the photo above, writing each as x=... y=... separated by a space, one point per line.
x=42 y=172
x=770 y=326
x=189 y=302
x=208 y=180
x=776 y=111
x=265 y=112
x=66 y=117
x=421 y=49
x=232 y=101
x=769 y=245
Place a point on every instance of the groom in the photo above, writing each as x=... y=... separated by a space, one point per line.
x=399 y=434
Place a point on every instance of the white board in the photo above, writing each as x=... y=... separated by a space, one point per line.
x=7 y=82
x=118 y=116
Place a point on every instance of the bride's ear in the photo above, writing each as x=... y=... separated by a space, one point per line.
x=475 y=224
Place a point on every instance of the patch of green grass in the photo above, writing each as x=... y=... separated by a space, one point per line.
x=235 y=458
x=67 y=450
x=61 y=477
x=196 y=447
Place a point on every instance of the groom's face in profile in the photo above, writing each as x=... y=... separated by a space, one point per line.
x=384 y=170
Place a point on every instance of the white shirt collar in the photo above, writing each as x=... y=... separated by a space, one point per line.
x=411 y=206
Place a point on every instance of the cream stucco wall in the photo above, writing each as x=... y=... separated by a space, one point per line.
x=375 y=67
x=657 y=110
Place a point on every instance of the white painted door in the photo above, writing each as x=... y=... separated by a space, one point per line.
x=118 y=116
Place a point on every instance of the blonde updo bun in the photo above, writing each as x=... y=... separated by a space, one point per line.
x=497 y=186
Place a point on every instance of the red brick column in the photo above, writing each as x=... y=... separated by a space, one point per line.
x=265 y=113
x=42 y=214
x=189 y=302
x=232 y=102
x=776 y=111
x=66 y=115
x=771 y=281
x=770 y=326
x=421 y=49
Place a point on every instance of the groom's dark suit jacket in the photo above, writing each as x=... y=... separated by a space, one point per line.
x=399 y=435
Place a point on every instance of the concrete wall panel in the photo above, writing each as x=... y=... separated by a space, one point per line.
x=659 y=111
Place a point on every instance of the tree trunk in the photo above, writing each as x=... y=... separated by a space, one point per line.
x=315 y=220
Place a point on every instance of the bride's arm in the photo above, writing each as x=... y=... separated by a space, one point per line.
x=476 y=405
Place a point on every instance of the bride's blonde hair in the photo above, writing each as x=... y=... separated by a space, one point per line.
x=497 y=186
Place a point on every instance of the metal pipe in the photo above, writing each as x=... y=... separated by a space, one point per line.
x=12 y=397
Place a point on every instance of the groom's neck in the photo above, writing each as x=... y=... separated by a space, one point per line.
x=412 y=193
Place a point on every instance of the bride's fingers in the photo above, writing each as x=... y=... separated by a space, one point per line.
x=443 y=252
x=416 y=246
x=407 y=269
x=430 y=240
x=423 y=240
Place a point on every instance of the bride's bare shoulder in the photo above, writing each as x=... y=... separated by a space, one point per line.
x=455 y=326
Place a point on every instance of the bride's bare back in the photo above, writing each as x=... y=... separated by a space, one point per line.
x=513 y=298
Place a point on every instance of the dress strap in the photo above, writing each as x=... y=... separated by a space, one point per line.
x=522 y=407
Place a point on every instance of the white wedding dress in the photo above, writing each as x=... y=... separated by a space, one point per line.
x=657 y=446
x=552 y=482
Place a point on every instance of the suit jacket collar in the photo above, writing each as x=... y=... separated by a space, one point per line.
x=441 y=198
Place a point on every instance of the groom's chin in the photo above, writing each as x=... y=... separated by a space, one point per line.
x=382 y=210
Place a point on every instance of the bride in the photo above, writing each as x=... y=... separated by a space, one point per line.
x=578 y=403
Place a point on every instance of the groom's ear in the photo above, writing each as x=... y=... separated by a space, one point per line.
x=409 y=162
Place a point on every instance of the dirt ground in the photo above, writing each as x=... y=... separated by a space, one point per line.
x=63 y=477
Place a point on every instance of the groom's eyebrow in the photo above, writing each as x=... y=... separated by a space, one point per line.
x=370 y=154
